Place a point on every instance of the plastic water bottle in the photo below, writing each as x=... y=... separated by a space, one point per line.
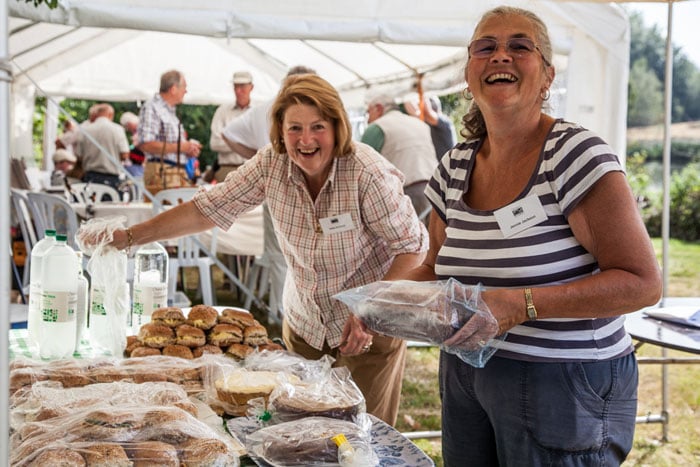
x=81 y=311
x=59 y=299
x=150 y=283
x=34 y=310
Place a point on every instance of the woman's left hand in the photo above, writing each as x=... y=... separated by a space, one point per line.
x=476 y=333
x=356 y=338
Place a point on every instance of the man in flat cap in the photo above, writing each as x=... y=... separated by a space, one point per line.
x=227 y=159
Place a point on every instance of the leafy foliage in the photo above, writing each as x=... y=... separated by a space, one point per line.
x=49 y=3
x=647 y=59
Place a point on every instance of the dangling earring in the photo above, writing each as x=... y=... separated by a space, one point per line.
x=467 y=94
x=545 y=95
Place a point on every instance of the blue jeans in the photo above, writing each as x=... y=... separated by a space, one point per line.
x=517 y=413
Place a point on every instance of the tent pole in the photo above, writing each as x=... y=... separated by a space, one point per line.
x=666 y=212
x=5 y=78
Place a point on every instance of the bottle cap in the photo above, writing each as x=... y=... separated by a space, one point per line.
x=61 y=237
x=50 y=232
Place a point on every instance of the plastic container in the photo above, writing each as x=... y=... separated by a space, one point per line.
x=59 y=300
x=150 y=283
x=34 y=309
x=81 y=313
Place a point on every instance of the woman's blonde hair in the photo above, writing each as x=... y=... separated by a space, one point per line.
x=473 y=120
x=310 y=89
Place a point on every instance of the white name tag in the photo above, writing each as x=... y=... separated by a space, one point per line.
x=520 y=215
x=337 y=224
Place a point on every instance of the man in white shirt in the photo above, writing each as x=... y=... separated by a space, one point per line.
x=229 y=160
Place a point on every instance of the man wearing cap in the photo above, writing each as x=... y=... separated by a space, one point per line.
x=404 y=141
x=63 y=162
x=227 y=159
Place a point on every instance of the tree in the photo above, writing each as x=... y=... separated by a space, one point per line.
x=649 y=44
x=645 y=99
x=50 y=3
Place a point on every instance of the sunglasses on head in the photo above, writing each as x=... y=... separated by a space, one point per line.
x=518 y=46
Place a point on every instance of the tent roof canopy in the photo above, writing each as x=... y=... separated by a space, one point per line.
x=117 y=49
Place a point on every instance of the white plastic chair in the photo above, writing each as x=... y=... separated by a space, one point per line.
x=22 y=213
x=189 y=254
x=53 y=212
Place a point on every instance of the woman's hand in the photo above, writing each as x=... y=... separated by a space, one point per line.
x=476 y=333
x=356 y=338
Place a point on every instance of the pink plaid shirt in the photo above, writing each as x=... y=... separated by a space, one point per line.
x=363 y=185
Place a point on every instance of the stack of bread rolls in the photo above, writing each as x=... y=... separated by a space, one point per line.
x=203 y=331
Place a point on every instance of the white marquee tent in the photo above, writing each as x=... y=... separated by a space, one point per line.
x=116 y=50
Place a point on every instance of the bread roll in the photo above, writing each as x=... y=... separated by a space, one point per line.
x=202 y=317
x=169 y=316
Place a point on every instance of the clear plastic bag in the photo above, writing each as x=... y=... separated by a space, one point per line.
x=430 y=312
x=333 y=394
x=110 y=303
x=304 y=442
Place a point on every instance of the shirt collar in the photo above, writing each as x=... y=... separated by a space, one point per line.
x=295 y=175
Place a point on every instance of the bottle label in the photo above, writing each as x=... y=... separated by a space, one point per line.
x=97 y=302
x=148 y=298
x=58 y=307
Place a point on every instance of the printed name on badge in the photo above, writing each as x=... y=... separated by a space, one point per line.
x=520 y=215
x=337 y=224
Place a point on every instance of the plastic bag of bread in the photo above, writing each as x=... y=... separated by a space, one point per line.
x=334 y=395
x=305 y=442
x=430 y=312
x=120 y=435
x=290 y=362
x=47 y=399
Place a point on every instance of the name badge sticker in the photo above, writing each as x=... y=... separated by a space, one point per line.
x=520 y=215
x=337 y=224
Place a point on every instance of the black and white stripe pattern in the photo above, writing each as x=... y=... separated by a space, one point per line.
x=475 y=251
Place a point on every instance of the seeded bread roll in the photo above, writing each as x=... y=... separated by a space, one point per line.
x=105 y=455
x=239 y=351
x=152 y=453
x=224 y=335
x=169 y=316
x=206 y=349
x=113 y=425
x=202 y=317
x=237 y=316
x=144 y=352
x=156 y=335
x=206 y=451
x=55 y=456
x=255 y=335
x=180 y=351
x=190 y=336
x=270 y=346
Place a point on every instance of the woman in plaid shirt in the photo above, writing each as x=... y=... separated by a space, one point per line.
x=341 y=219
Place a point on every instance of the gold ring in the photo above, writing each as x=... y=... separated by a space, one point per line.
x=366 y=348
x=482 y=343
